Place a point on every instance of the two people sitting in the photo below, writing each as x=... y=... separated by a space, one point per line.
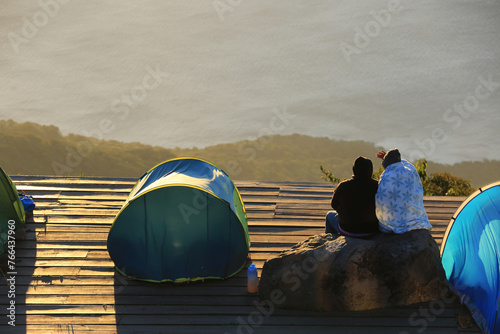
x=362 y=206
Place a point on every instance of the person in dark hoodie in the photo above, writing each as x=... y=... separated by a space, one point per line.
x=353 y=202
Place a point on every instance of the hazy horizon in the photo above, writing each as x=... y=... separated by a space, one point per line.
x=422 y=76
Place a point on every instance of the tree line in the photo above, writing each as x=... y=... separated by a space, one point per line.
x=32 y=149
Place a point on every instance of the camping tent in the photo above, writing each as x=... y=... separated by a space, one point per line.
x=471 y=255
x=11 y=208
x=184 y=220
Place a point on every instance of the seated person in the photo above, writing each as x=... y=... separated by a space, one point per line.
x=354 y=203
x=399 y=199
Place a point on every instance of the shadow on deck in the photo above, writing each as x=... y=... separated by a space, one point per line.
x=66 y=283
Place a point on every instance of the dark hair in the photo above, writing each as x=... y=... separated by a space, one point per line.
x=391 y=157
x=362 y=168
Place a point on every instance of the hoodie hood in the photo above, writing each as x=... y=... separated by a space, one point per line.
x=362 y=168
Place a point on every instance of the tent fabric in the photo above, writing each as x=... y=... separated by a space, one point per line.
x=399 y=200
x=184 y=220
x=471 y=255
x=11 y=208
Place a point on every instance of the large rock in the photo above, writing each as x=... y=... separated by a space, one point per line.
x=328 y=272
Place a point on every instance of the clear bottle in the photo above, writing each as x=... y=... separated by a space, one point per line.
x=253 y=279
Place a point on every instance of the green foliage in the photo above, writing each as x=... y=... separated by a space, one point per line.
x=32 y=149
x=378 y=173
x=328 y=176
x=480 y=173
x=445 y=184
x=438 y=184
x=283 y=158
x=421 y=167
x=442 y=184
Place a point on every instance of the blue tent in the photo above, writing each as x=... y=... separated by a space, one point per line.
x=184 y=220
x=471 y=255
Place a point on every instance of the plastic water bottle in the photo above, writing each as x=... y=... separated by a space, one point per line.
x=253 y=279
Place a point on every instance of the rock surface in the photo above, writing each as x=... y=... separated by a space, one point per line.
x=328 y=272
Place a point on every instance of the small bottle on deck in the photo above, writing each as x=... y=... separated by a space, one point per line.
x=253 y=279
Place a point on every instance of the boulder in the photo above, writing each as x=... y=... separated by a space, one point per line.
x=330 y=272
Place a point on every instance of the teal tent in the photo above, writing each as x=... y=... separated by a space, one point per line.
x=184 y=220
x=11 y=208
x=470 y=255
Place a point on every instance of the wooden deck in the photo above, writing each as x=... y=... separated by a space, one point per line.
x=65 y=281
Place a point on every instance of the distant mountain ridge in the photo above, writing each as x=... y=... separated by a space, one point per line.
x=32 y=149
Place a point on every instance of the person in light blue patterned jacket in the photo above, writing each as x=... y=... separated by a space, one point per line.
x=399 y=200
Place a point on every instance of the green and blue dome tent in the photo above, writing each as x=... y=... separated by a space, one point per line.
x=184 y=220
x=470 y=254
x=11 y=208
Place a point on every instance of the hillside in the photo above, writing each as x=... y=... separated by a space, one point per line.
x=31 y=149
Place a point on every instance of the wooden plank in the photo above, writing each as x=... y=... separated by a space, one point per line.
x=278 y=318
x=277 y=222
x=84 y=203
x=103 y=261
x=58 y=273
x=72 y=180
x=146 y=290
x=112 y=280
x=65 y=262
x=49 y=274
x=322 y=208
x=102 y=237
x=259 y=191
x=218 y=329
x=87 y=220
x=61 y=253
x=64 y=266
x=68 y=228
x=257 y=219
x=61 y=211
x=200 y=319
x=77 y=196
x=446 y=198
x=206 y=309
x=82 y=300
x=69 y=190
x=34 y=246
x=254 y=230
x=83 y=264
